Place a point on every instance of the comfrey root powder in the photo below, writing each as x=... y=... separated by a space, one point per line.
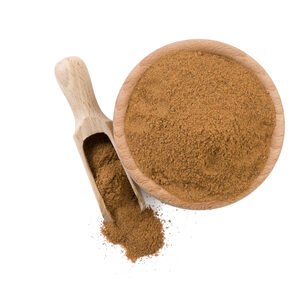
x=200 y=125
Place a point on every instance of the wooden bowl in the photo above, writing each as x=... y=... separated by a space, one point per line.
x=147 y=184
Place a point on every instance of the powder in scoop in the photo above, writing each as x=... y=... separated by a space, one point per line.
x=139 y=233
x=200 y=125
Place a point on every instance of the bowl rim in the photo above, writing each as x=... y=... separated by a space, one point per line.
x=216 y=47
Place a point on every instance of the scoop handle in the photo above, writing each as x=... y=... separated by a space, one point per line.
x=73 y=78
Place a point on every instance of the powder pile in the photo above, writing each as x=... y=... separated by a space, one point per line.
x=139 y=233
x=200 y=125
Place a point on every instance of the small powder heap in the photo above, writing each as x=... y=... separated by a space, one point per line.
x=139 y=233
x=200 y=125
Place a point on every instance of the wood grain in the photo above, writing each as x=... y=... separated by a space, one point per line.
x=147 y=184
x=73 y=77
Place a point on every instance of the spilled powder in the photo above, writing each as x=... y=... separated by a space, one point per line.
x=200 y=126
x=139 y=233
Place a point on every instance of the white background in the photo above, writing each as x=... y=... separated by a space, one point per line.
x=49 y=220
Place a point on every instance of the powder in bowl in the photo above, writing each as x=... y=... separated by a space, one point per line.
x=200 y=125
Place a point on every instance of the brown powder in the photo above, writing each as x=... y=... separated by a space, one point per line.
x=140 y=233
x=200 y=125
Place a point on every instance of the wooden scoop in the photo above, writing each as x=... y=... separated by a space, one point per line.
x=74 y=80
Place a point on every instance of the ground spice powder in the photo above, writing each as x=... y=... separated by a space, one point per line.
x=200 y=125
x=139 y=233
